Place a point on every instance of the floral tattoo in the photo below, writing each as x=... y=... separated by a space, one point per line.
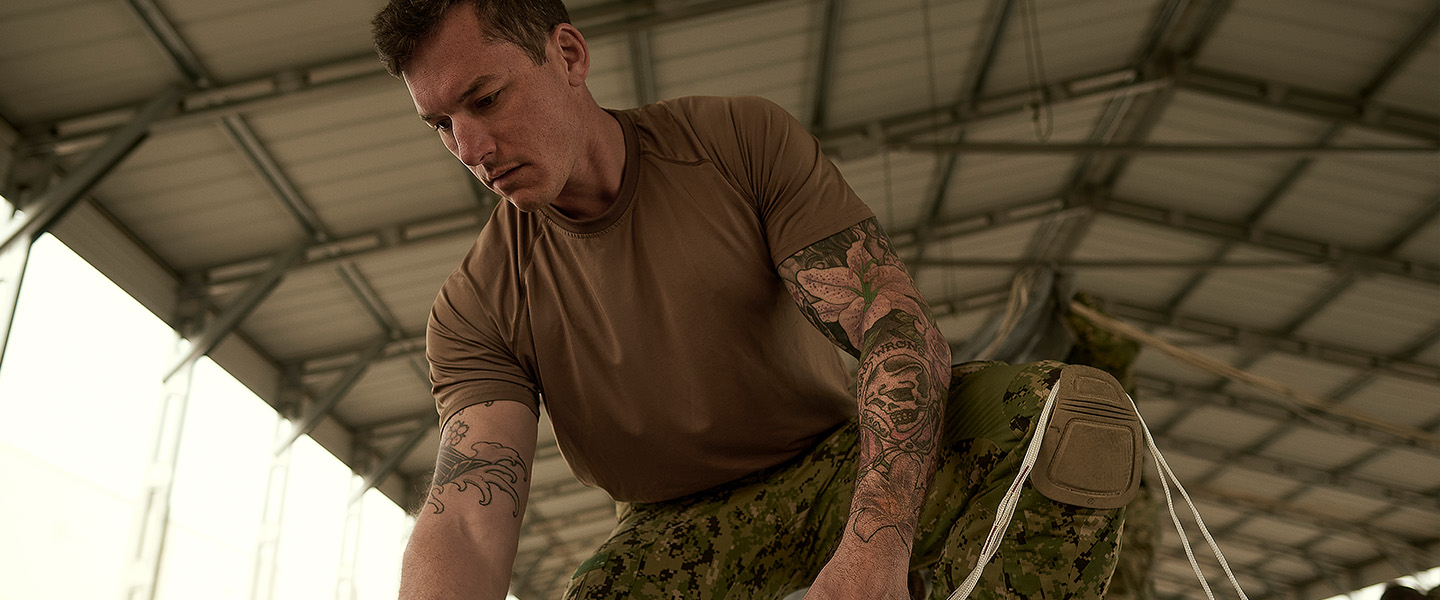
x=853 y=287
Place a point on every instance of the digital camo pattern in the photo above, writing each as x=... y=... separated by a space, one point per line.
x=769 y=534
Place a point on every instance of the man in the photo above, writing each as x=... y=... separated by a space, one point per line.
x=642 y=282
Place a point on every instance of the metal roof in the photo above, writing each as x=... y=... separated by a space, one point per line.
x=1185 y=161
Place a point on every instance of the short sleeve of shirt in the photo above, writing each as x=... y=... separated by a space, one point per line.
x=799 y=193
x=469 y=360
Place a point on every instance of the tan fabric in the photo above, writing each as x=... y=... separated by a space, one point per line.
x=665 y=348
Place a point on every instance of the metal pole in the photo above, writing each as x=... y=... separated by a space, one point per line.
x=154 y=519
x=267 y=544
x=13 y=260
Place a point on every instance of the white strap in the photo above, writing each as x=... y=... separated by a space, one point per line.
x=1006 y=511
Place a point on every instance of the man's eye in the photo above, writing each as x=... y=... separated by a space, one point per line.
x=487 y=101
x=442 y=126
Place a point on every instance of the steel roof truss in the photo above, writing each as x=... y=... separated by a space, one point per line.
x=56 y=200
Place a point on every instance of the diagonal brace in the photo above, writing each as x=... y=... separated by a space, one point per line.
x=231 y=316
x=58 y=199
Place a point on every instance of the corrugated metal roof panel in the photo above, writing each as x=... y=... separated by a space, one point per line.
x=1408 y=522
x=610 y=80
x=311 y=313
x=1112 y=238
x=1356 y=203
x=1198 y=118
x=1423 y=245
x=240 y=41
x=61 y=59
x=195 y=201
x=893 y=184
x=884 y=65
x=1406 y=468
x=1151 y=362
x=1222 y=426
x=981 y=183
x=365 y=161
x=1377 y=315
x=1330 y=45
x=987 y=181
x=1251 y=483
x=1337 y=503
x=1397 y=400
x=1416 y=87
x=1319 y=448
x=408 y=279
x=389 y=389
x=1075 y=37
x=765 y=51
x=1304 y=374
x=1261 y=298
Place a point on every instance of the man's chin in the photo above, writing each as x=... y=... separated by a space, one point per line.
x=528 y=205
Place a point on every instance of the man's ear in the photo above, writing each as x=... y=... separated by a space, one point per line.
x=573 y=51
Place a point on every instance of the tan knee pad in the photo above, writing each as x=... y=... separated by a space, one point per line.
x=1090 y=455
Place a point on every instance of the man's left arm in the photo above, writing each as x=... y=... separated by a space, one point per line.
x=854 y=288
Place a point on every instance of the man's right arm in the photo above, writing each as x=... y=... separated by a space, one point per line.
x=464 y=541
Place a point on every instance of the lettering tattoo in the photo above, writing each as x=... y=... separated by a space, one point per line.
x=486 y=467
x=854 y=288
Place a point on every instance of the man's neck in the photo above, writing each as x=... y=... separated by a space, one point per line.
x=595 y=186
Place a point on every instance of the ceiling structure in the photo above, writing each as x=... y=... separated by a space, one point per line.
x=1253 y=180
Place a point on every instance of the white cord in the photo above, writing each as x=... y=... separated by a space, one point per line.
x=1006 y=511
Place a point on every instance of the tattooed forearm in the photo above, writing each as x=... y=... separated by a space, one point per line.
x=855 y=289
x=486 y=467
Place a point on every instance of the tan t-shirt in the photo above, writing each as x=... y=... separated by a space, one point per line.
x=664 y=345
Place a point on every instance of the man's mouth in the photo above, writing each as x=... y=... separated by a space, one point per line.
x=495 y=179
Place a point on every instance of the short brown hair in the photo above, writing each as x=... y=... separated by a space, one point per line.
x=403 y=24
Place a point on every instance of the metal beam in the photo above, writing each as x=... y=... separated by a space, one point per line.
x=1349 y=110
x=1135 y=264
x=1131 y=149
x=1193 y=395
x=833 y=18
x=1249 y=234
x=642 y=67
x=355 y=73
x=163 y=32
x=1323 y=524
x=392 y=460
x=55 y=201
x=275 y=178
x=946 y=165
x=1302 y=473
x=230 y=317
x=327 y=401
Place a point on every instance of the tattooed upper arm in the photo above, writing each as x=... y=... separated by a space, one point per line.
x=478 y=464
x=848 y=282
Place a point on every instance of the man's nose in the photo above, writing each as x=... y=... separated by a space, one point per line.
x=473 y=144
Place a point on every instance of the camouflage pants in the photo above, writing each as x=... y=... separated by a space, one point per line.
x=770 y=533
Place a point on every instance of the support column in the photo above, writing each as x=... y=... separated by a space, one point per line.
x=154 y=518
x=13 y=259
x=267 y=544
x=345 y=587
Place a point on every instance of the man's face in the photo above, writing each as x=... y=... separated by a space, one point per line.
x=515 y=124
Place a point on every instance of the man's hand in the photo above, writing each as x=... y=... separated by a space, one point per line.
x=860 y=570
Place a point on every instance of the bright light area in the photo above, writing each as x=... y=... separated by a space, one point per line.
x=79 y=394
x=1422 y=582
